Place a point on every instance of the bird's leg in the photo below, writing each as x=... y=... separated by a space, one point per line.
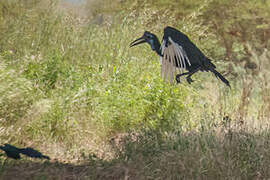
x=179 y=75
x=190 y=73
x=189 y=80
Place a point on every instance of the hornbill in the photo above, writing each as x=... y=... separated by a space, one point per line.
x=178 y=53
x=14 y=152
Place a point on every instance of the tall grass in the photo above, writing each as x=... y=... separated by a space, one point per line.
x=73 y=88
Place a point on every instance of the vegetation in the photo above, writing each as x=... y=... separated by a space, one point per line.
x=71 y=88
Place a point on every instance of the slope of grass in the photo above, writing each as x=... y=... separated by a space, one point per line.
x=72 y=88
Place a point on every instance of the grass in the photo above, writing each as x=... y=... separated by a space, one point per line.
x=71 y=87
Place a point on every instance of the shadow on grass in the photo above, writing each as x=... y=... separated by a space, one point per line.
x=15 y=152
x=223 y=154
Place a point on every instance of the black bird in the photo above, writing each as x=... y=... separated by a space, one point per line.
x=178 y=53
x=11 y=151
x=14 y=152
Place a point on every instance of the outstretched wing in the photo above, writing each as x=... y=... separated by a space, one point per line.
x=174 y=59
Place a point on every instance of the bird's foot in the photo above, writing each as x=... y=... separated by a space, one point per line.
x=189 y=80
x=177 y=79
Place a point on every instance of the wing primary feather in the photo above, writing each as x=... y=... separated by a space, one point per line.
x=163 y=46
x=178 y=59
x=178 y=53
x=181 y=53
x=164 y=63
x=182 y=59
x=184 y=54
x=160 y=60
x=163 y=51
x=167 y=59
x=170 y=70
x=173 y=55
x=162 y=66
x=167 y=68
x=174 y=68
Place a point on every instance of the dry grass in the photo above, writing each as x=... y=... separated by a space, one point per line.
x=224 y=152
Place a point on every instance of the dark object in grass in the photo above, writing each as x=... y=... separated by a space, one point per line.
x=178 y=53
x=11 y=151
x=14 y=152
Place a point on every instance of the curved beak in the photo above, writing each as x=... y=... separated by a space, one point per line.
x=137 y=41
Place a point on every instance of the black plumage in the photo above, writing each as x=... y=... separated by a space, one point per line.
x=177 y=52
x=14 y=152
x=11 y=151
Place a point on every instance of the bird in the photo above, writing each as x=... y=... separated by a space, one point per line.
x=14 y=152
x=11 y=151
x=178 y=53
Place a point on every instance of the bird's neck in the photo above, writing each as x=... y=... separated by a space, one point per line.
x=157 y=48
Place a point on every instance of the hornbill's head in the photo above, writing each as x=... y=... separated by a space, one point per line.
x=149 y=38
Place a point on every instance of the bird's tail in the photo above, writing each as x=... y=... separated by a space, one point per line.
x=223 y=79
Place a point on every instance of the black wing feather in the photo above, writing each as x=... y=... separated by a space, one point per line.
x=196 y=57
